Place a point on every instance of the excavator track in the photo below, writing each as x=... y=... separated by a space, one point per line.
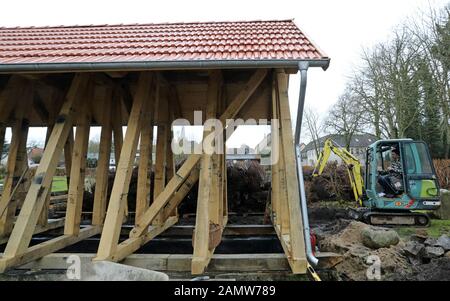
x=415 y=219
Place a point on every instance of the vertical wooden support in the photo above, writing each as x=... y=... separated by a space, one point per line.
x=68 y=150
x=15 y=167
x=161 y=115
x=293 y=242
x=102 y=171
x=116 y=207
x=275 y=141
x=208 y=192
x=43 y=218
x=118 y=133
x=41 y=185
x=17 y=160
x=145 y=160
x=78 y=170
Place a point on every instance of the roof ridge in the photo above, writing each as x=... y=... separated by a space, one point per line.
x=144 y=24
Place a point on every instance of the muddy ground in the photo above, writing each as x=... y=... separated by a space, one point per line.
x=337 y=233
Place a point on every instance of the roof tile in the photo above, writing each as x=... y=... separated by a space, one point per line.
x=261 y=40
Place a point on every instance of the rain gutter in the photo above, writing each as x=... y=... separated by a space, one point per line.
x=158 y=65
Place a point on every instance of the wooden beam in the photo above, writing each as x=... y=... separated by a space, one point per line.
x=193 y=159
x=145 y=160
x=207 y=201
x=41 y=184
x=118 y=133
x=78 y=170
x=164 y=197
x=182 y=192
x=55 y=100
x=68 y=151
x=17 y=160
x=132 y=245
x=50 y=246
x=113 y=221
x=161 y=115
x=102 y=171
x=296 y=238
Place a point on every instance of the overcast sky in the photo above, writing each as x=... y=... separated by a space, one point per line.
x=341 y=28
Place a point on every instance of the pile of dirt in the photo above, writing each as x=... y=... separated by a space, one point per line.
x=333 y=184
x=437 y=270
x=356 y=257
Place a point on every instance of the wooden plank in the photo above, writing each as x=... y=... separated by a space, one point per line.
x=244 y=263
x=145 y=161
x=55 y=99
x=192 y=160
x=2 y=139
x=275 y=131
x=297 y=240
x=42 y=249
x=178 y=197
x=113 y=220
x=51 y=225
x=208 y=193
x=161 y=115
x=118 y=133
x=68 y=151
x=41 y=184
x=132 y=245
x=17 y=160
x=164 y=197
x=77 y=176
x=102 y=171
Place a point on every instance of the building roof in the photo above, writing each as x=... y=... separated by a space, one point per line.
x=167 y=42
x=359 y=140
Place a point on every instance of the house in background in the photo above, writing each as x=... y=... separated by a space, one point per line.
x=358 y=146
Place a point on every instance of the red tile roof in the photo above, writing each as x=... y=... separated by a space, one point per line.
x=207 y=41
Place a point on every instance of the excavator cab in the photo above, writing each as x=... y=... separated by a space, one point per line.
x=400 y=177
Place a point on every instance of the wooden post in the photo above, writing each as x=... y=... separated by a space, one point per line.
x=17 y=160
x=145 y=160
x=43 y=218
x=161 y=116
x=78 y=170
x=68 y=150
x=118 y=134
x=297 y=258
x=113 y=221
x=41 y=185
x=102 y=171
x=208 y=192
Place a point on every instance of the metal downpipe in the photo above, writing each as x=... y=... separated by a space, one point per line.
x=303 y=67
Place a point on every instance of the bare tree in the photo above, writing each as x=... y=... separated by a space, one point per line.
x=345 y=118
x=315 y=127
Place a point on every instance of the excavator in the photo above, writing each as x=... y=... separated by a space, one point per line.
x=400 y=181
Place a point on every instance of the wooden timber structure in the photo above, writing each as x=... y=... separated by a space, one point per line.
x=60 y=93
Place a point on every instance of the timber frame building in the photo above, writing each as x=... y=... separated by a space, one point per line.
x=141 y=76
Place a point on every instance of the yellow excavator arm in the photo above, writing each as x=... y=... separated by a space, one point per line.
x=352 y=163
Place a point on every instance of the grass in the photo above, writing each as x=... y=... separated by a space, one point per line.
x=436 y=229
x=59 y=184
